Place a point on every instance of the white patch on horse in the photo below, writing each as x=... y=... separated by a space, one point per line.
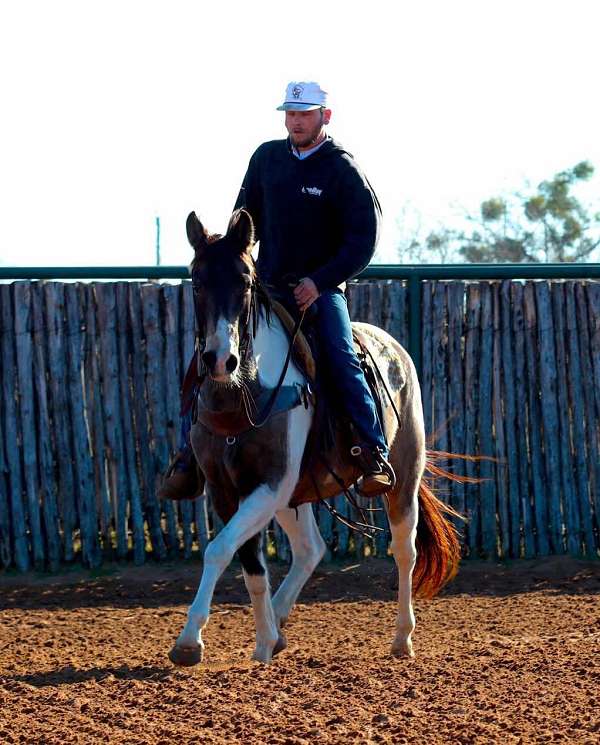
x=403 y=547
x=267 y=630
x=223 y=342
x=307 y=547
x=270 y=347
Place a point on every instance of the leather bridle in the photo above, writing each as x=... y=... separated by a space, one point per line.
x=253 y=417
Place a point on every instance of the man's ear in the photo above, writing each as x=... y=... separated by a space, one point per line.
x=241 y=231
x=196 y=233
x=326 y=116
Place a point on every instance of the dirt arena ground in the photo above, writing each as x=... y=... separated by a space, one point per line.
x=507 y=654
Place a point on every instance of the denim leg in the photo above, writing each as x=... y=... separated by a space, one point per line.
x=184 y=432
x=335 y=339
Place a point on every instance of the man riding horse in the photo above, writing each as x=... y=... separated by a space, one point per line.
x=316 y=218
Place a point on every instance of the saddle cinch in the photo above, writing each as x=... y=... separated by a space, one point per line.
x=331 y=459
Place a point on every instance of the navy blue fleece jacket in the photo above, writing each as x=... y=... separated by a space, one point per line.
x=316 y=217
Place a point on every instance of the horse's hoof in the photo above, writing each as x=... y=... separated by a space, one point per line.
x=280 y=645
x=403 y=650
x=185 y=656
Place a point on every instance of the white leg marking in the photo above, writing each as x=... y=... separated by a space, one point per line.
x=252 y=516
x=267 y=633
x=403 y=547
x=308 y=548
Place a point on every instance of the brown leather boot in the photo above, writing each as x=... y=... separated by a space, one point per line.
x=183 y=479
x=378 y=475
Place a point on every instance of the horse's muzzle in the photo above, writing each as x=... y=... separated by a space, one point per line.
x=219 y=368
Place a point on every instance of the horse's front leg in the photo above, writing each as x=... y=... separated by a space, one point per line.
x=308 y=548
x=252 y=516
x=256 y=576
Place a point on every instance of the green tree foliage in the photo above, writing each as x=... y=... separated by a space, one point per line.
x=545 y=224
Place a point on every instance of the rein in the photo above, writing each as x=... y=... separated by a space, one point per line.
x=246 y=396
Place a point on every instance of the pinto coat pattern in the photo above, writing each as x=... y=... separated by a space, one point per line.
x=252 y=479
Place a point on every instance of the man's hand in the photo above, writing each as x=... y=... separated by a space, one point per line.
x=305 y=293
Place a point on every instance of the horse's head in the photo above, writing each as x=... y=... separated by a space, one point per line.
x=223 y=278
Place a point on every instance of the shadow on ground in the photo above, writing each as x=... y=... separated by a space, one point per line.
x=155 y=585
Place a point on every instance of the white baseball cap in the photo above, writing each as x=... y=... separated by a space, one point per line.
x=303 y=97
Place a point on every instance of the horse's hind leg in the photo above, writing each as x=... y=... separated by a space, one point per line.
x=308 y=548
x=402 y=509
x=256 y=577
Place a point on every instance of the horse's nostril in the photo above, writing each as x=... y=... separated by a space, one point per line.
x=209 y=359
x=231 y=363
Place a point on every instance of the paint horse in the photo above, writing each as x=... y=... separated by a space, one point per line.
x=251 y=477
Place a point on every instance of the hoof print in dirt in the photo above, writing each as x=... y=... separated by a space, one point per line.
x=185 y=656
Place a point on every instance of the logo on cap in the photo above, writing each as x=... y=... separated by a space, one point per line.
x=297 y=91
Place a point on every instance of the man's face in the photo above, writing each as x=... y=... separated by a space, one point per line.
x=305 y=126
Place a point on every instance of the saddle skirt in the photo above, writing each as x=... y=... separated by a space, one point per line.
x=327 y=470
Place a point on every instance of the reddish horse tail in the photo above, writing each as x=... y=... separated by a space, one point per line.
x=438 y=547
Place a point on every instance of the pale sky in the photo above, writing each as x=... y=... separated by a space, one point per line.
x=115 y=112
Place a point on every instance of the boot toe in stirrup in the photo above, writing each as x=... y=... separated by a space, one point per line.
x=374 y=484
x=181 y=485
x=378 y=475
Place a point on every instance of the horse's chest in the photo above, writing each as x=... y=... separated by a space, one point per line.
x=233 y=471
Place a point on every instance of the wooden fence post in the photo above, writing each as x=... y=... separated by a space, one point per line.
x=22 y=300
x=156 y=391
x=142 y=426
x=471 y=378
x=588 y=395
x=509 y=393
x=126 y=405
x=82 y=456
x=502 y=506
x=520 y=377
x=115 y=452
x=574 y=539
x=44 y=455
x=535 y=421
x=487 y=490
x=11 y=438
x=95 y=417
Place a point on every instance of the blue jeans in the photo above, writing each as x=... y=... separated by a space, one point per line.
x=334 y=333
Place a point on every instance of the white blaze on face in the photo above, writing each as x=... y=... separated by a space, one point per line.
x=223 y=341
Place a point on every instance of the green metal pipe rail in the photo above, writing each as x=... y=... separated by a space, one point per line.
x=413 y=274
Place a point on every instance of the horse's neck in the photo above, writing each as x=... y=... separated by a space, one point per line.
x=270 y=347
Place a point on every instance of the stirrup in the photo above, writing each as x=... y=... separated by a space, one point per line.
x=372 y=463
x=184 y=455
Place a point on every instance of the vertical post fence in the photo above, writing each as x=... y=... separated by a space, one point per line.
x=509 y=364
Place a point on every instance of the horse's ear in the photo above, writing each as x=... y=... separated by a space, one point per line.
x=241 y=230
x=196 y=233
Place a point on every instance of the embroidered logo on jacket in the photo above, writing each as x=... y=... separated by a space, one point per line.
x=312 y=190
